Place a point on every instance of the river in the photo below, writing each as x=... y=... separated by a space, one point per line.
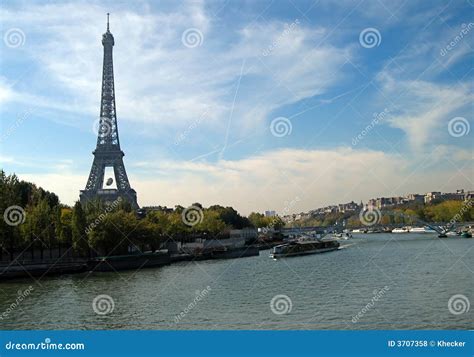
x=377 y=281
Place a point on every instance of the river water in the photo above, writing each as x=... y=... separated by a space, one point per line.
x=377 y=281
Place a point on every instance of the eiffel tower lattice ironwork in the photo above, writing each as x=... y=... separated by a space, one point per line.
x=108 y=152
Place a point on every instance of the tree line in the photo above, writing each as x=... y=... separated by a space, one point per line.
x=105 y=229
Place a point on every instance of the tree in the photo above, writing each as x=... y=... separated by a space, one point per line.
x=65 y=226
x=78 y=230
x=113 y=234
x=257 y=219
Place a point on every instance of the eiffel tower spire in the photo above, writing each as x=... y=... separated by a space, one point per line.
x=108 y=152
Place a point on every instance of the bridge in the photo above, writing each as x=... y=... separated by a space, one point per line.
x=438 y=227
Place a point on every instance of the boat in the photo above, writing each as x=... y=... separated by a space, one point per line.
x=466 y=234
x=401 y=230
x=344 y=236
x=425 y=229
x=303 y=248
x=375 y=231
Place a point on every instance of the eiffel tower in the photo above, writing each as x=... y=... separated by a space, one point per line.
x=108 y=153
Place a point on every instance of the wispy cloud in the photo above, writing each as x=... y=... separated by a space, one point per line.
x=272 y=179
x=164 y=82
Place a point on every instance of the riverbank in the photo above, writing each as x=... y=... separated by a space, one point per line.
x=28 y=269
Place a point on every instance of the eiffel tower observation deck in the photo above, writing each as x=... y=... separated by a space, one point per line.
x=108 y=153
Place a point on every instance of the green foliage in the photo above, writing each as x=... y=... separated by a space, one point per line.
x=78 y=229
x=258 y=220
x=115 y=233
x=103 y=228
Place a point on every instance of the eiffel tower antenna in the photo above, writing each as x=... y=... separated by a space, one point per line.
x=108 y=152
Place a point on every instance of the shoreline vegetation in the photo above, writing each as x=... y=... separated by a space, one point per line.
x=37 y=229
x=40 y=220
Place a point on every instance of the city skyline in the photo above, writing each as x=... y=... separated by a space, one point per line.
x=293 y=103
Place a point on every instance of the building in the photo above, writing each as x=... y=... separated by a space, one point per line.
x=459 y=195
x=348 y=207
x=247 y=234
x=270 y=213
x=414 y=197
x=108 y=153
x=469 y=196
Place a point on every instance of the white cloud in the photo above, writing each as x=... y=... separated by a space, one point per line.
x=273 y=179
x=159 y=81
x=423 y=107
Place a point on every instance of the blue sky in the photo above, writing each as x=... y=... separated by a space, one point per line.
x=200 y=121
